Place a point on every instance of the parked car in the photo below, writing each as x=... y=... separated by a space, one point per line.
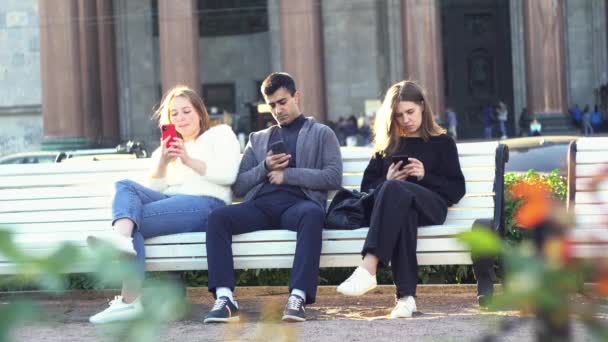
x=542 y=153
x=129 y=150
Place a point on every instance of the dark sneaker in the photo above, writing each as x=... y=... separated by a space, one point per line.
x=223 y=311
x=294 y=310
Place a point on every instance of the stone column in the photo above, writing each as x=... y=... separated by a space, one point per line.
x=302 y=52
x=108 y=83
x=519 y=60
x=89 y=70
x=63 y=123
x=545 y=57
x=422 y=53
x=179 y=37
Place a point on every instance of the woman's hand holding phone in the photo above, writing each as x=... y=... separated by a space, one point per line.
x=415 y=168
x=395 y=172
x=400 y=170
x=174 y=150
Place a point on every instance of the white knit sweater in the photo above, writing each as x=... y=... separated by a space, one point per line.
x=219 y=149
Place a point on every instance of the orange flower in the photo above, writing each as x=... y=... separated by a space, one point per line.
x=536 y=203
x=528 y=189
x=532 y=212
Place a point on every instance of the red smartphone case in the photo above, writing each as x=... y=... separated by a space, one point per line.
x=168 y=131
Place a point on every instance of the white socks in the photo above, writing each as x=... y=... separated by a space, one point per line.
x=225 y=292
x=300 y=293
x=358 y=283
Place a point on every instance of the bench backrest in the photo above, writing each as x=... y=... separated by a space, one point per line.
x=46 y=203
x=590 y=231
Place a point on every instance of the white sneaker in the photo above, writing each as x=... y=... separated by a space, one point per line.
x=120 y=242
x=118 y=311
x=358 y=283
x=405 y=307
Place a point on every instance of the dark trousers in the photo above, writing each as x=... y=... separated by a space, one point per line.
x=277 y=210
x=399 y=208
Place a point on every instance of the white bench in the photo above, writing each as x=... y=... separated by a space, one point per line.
x=588 y=155
x=48 y=204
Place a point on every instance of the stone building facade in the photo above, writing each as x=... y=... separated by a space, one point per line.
x=78 y=73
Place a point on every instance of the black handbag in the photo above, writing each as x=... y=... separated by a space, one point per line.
x=349 y=210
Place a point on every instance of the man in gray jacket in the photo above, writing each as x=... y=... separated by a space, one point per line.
x=284 y=175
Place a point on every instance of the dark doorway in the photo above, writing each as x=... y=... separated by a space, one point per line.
x=477 y=61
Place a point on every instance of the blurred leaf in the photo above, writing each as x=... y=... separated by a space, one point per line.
x=15 y=313
x=482 y=242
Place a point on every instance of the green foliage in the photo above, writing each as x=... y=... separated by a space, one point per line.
x=164 y=300
x=557 y=184
x=483 y=242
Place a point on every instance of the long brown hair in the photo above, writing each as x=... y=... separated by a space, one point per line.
x=387 y=132
x=163 y=113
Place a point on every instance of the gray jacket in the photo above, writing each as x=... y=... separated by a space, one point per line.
x=318 y=163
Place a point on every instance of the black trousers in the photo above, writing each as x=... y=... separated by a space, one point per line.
x=399 y=208
x=277 y=210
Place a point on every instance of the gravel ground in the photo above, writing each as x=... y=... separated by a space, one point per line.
x=445 y=314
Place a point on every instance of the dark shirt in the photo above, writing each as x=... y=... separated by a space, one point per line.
x=439 y=155
x=289 y=135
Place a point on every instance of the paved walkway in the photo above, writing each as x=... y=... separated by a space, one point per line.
x=446 y=314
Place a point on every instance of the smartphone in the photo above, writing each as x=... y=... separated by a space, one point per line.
x=168 y=131
x=400 y=158
x=278 y=147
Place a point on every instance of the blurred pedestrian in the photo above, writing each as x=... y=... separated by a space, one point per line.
x=587 y=127
x=502 y=116
x=452 y=122
x=487 y=115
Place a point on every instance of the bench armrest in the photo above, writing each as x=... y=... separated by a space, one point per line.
x=501 y=158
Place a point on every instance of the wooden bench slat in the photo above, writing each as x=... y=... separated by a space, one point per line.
x=62 y=180
x=104 y=202
x=590 y=209
x=105 y=214
x=346 y=260
x=587 y=220
x=596 y=235
x=582 y=184
x=591 y=157
x=591 y=144
x=591 y=197
x=476 y=172
x=46 y=192
x=249 y=248
x=78 y=231
x=588 y=170
x=128 y=165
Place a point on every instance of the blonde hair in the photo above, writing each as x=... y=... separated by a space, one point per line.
x=387 y=132
x=163 y=113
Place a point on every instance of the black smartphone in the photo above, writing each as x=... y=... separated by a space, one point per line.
x=278 y=147
x=400 y=158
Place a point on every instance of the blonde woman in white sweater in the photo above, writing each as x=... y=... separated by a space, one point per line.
x=189 y=179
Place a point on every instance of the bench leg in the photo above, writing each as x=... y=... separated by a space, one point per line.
x=483 y=268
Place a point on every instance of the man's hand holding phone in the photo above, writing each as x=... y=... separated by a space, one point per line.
x=277 y=158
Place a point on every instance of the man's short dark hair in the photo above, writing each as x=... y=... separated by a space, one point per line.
x=277 y=80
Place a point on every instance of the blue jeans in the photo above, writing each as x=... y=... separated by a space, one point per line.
x=503 y=127
x=156 y=214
